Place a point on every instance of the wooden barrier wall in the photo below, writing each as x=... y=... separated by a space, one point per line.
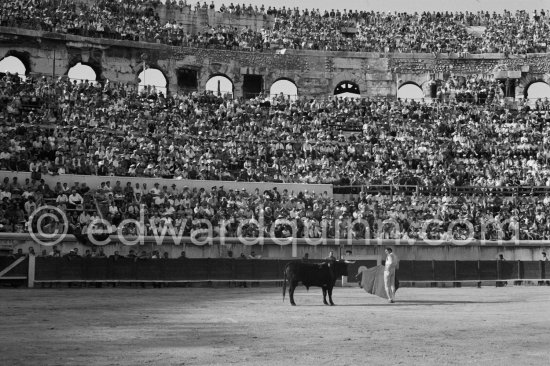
x=170 y=270
x=205 y=269
x=49 y=269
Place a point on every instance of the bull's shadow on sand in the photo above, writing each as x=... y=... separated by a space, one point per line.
x=413 y=303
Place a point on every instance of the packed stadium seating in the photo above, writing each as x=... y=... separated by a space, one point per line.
x=464 y=137
x=399 y=216
x=365 y=31
x=465 y=154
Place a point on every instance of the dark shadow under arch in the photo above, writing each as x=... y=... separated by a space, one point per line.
x=347 y=86
x=409 y=83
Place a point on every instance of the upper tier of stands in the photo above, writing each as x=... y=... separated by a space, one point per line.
x=347 y=30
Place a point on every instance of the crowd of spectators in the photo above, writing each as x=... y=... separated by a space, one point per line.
x=95 y=252
x=466 y=136
x=99 y=252
x=347 y=30
x=397 y=216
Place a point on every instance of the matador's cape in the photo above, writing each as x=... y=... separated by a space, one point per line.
x=372 y=280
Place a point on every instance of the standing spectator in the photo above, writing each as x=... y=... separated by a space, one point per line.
x=56 y=252
x=544 y=258
x=501 y=283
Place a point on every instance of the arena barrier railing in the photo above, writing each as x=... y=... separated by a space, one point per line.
x=128 y=270
x=102 y=239
x=94 y=181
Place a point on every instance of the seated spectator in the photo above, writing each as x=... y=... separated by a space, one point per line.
x=75 y=200
x=62 y=200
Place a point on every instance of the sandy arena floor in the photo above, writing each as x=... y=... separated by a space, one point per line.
x=244 y=326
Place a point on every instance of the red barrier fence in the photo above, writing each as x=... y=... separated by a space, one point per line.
x=47 y=269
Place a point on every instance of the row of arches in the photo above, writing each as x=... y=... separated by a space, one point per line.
x=82 y=72
x=150 y=77
x=533 y=91
x=221 y=84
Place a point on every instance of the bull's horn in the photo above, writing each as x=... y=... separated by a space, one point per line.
x=349 y=262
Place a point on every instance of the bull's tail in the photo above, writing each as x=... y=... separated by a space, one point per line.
x=284 y=284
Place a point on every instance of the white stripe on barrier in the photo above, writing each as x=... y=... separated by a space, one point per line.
x=32 y=262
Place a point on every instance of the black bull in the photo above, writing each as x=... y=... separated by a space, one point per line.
x=322 y=275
